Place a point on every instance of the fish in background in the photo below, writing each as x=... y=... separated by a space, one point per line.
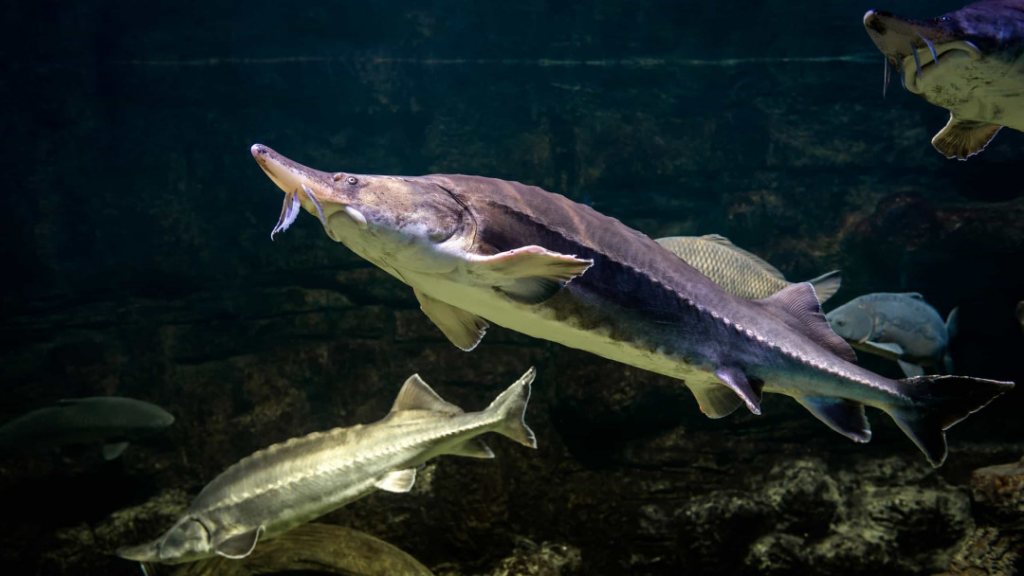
x=898 y=326
x=111 y=421
x=970 y=62
x=478 y=250
x=738 y=271
x=291 y=483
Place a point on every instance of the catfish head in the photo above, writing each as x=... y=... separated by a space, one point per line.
x=395 y=222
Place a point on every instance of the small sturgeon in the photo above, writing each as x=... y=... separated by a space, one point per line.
x=970 y=62
x=296 y=481
x=478 y=250
x=738 y=271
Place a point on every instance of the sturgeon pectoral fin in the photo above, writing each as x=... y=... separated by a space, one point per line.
x=798 y=306
x=462 y=328
x=962 y=139
x=240 y=545
x=843 y=416
x=910 y=369
x=473 y=448
x=111 y=451
x=716 y=401
x=529 y=275
x=736 y=380
x=417 y=395
x=400 y=481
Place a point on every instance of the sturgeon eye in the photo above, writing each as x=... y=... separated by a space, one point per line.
x=352 y=180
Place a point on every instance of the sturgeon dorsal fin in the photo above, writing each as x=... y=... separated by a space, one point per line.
x=798 y=306
x=755 y=259
x=240 y=545
x=417 y=395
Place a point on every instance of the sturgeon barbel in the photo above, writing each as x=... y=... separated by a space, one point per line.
x=970 y=62
x=477 y=250
x=296 y=481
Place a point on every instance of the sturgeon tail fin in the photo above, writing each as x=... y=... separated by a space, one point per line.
x=827 y=284
x=510 y=410
x=935 y=403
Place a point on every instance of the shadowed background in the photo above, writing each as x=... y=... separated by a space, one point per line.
x=138 y=263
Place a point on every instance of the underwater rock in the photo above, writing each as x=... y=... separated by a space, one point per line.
x=998 y=494
x=314 y=549
x=529 y=559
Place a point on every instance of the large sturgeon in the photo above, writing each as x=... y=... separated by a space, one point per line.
x=478 y=250
x=970 y=62
x=291 y=483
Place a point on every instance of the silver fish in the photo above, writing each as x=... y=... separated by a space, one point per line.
x=901 y=327
x=478 y=250
x=111 y=421
x=738 y=271
x=296 y=481
x=970 y=62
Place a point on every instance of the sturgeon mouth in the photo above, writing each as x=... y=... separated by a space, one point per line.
x=923 y=62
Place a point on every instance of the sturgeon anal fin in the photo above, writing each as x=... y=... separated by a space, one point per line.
x=716 y=401
x=400 y=481
x=890 y=350
x=798 y=306
x=962 y=139
x=910 y=369
x=736 y=380
x=528 y=275
x=843 y=416
x=417 y=395
x=240 y=545
x=472 y=448
x=112 y=451
x=464 y=329
x=827 y=284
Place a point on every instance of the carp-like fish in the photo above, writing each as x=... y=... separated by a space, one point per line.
x=478 y=250
x=296 y=481
x=970 y=62
x=738 y=271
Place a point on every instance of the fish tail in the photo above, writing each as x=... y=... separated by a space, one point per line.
x=935 y=403
x=827 y=284
x=510 y=410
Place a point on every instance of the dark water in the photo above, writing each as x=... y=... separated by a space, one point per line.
x=138 y=263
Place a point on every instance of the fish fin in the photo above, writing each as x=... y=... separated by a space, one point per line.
x=472 y=448
x=932 y=404
x=798 y=306
x=464 y=329
x=962 y=139
x=510 y=407
x=756 y=260
x=748 y=392
x=827 y=284
x=890 y=350
x=914 y=295
x=953 y=324
x=844 y=416
x=910 y=369
x=417 y=395
x=150 y=568
x=716 y=401
x=531 y=274
x=399 y=481
x=240 y=545
x=112 y=451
